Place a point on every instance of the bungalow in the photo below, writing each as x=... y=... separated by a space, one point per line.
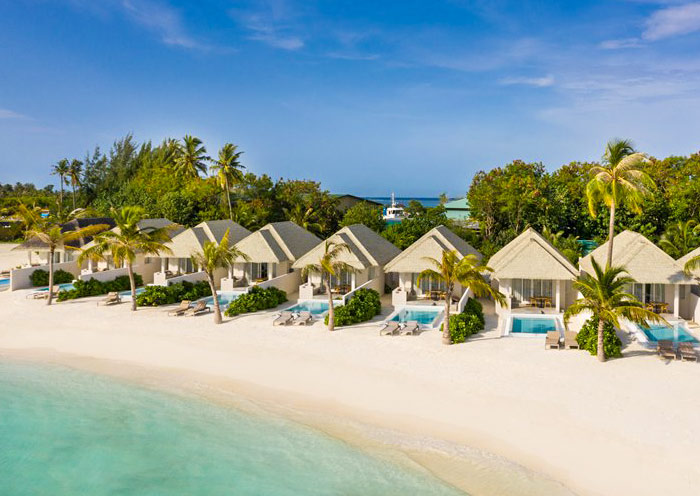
x=413 y=260
x=177 y=266
x=659 y=278
x=367 y=254
x=271 y=251
x=457 y=210
x=531 y=271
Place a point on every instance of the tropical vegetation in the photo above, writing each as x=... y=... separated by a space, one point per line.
x=40 y=277
x=153 y=296
x=364 y=305
x=469 y=322
x=256 y=299
x=94 y=287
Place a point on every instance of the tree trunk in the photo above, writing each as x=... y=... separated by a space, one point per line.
x=73 y=184
x=61 y=202
x=132 y=283
x=611 y=235
x=601 y=341
x=446 y=338
x=50 y=298
x=228 y=198
x=217 y=309
x=331 y=312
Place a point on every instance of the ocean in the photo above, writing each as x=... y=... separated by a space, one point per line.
x=425 y=201
x=68 y=432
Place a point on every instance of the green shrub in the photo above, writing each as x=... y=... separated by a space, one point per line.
x=93 y=287
x=463 y=325
x=474 y=306
x=364 y=305
x=154 y=296
x=40 y=277
x=587 y=339
x=256 y=299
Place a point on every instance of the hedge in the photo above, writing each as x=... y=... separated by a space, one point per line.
x=364 y=305
x=40 y=277
x=93 y=287
x=467 y=323
x=256 y=299
x=153 y=296
x=587 y=339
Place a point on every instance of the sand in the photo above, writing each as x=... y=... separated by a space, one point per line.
x=629 y=426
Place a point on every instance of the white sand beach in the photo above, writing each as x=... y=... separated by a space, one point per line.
x=629 y=426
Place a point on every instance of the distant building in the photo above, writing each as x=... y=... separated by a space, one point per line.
x=457 y=210
x=345 y=202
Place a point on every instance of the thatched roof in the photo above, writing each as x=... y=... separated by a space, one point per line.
x=73 y=225
x=684 y=259
x=192 y=240
x=366 y=249
x=277 y=242
x=643 y=260
x=431 y=245
x=531 y=256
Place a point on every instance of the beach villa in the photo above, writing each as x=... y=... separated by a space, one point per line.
x=531 y=272
x=412 y=261
x=367 y=254
x=177 y=266
x=660 y=281
x=271 y=251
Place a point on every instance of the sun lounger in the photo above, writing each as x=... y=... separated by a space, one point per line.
x=411 y=328
x=552 y=340
x=390 y=328
x=665 y=350
x=111 y=299
x=284 y=318
x=570 y=342
x=687 y=352
x=184 y=306
x=304 y=318
x=200 y=307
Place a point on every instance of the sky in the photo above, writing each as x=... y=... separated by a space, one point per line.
x=368 y=97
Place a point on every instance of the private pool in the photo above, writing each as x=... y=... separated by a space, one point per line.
x=61 y=287
x=126 y=295
x=4 y=283
x=425 y=316
x=532 y=325
x=317 y=308
x=650 y=334
x=225 y=298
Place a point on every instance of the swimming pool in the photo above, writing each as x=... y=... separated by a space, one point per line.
x=225 y=298
x=61 y=287
x=532 y=325
x=678 y=333
x=425 y=316
x=126 y=295
x=4 y=283
x=315 y=307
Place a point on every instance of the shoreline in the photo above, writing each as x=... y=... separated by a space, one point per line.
x=560 y=414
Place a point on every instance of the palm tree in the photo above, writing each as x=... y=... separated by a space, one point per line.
x=229 y=170
x=618 y=181
x=466 y=271
x=303 y=216
x=191 y=157
x=74 y=171
x=604 y=294
x=214 y=256
x=61 y=169
x=50 y=232
x=128 y=240
x=329 y=266
x=680 y=238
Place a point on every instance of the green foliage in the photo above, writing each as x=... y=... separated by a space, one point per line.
x=154 y=296
x=93 y=287
x=367 y=214
x=364 y=305
x=587 y=338
x=406 y=232
x=11 y=231
x=474 y=306
x=467 y=323
x=256 y=299
x=40 y=277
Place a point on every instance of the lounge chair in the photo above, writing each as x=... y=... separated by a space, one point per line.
x=665 y=350
x=390 y=328
x=200 y=307
x=552 y=340
x=304 y=318
x=570 y=342
x=284 y=318
x=111 y=299
x=687 y=352
x=184 y=306
x=411 y=328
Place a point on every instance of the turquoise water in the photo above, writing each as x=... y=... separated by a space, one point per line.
x=65 y=432
x=314 y=307
x=423 y=317
x=659 y=332
x=224 y=298
x=61 y=287
x=533 y=326
x=126 y=295
x=4 y=282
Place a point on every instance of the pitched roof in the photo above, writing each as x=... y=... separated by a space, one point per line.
x=461 y=204
x=366 y=248
x=158 y=223
x=531 y=256
x=684 y=259
x=215 y=230
x=430 y=245
x=642 y=259
x=277 y=242
x=73 y=225
x=192 y=240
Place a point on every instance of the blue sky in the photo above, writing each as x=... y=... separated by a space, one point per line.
x=366 y=96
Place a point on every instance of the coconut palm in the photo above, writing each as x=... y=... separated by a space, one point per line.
x=75 y=171
x=50 y=232
x=191 y=157
x=61 y=169
x=604 y=294
x=329 y=266
x=214 y=256
x=303 y=216
x=680 y=238
x=618 y=181
x=228 y=170
x=467 y=271
x=128 y=240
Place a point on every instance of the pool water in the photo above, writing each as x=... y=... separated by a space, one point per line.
x=4 y=282
x=126 y=295
x=224 y=298
x=659 y=332
x=314 y=307
x=423 y=317
x=529 y=325
x=61 y=287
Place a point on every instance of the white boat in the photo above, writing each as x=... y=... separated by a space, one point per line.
x=394 y=212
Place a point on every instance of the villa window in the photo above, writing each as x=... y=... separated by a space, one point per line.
x=370 y=273
x=343 y=279
x=185 y=266
x=431 y=284
x=258 y=271
x=525 y=289
x=649 y=292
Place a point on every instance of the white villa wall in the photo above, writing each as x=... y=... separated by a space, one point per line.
x=289 y=282
x=104 y=275
x=694 y=308
x=19 y=278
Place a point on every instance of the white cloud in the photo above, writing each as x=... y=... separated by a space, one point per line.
x=9 y=114
x=270 y=22
x=621 y=43
x=539 y=82
x=673 y=21
x=163 y=20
